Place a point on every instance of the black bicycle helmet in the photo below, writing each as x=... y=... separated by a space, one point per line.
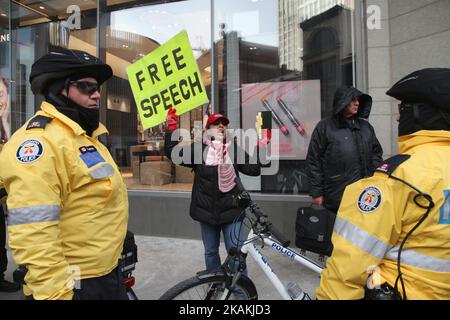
x=430 y=86
x=63 y=63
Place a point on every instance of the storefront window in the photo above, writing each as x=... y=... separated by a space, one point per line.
x=296 y=50
x=284 y=56
x=131 y=34
x=35 y=29
x=287 y=57
x=254 y=55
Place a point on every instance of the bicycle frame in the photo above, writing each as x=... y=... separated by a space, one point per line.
x=261 y=260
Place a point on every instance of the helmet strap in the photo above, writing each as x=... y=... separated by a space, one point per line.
x=416 y=113
x=421 y=117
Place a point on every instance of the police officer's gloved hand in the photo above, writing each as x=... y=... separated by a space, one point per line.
x=172 y=120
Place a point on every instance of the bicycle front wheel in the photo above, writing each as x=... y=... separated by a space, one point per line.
x=212 y=287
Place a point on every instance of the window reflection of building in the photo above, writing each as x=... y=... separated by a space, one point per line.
x=310 y=8
x=293 y=12
x=315 y=37
x=290 y=35
x=327 y=52
x=258 y=62
x=242 y=62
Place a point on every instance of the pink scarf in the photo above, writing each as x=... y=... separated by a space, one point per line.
x=218 y=156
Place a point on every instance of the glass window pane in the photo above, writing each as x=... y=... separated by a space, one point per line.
x=287 y=57
x=131 y=33
x=36 y=28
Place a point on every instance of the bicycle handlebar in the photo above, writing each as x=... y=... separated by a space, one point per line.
x=244 y=201
x=270 y=227
x=279 y=236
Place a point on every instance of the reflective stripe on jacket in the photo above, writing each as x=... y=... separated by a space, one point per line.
x=68 y=205
x=367 y=237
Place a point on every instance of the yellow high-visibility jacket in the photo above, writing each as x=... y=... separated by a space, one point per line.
x=67 y=204
x=376 y=214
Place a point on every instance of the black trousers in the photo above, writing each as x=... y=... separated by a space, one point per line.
x=107 y=287
x=3 y=257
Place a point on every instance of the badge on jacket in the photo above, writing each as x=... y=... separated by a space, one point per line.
x=369 y=200
x=90 y=156
x=29 y=151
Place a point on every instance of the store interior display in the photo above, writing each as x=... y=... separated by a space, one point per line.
x=295 y=110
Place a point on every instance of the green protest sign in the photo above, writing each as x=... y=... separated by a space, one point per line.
x=167 y=77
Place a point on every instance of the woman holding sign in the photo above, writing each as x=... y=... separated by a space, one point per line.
x=212 y=201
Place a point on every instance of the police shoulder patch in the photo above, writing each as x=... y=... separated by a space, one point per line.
x=90 y=156
x=389 y=165
x=29 y=151
x=369 y=200
x=38 y=121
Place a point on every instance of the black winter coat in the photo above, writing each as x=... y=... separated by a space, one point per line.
x=342 y=152
x=208 y=203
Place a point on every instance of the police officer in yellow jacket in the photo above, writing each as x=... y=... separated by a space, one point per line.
x=67 y=203
x=392 y=232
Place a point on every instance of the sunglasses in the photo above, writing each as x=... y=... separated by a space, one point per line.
x=219 y=121
x=85 y=87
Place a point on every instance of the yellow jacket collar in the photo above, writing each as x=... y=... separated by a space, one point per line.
x=406 y=144
x=53 y=112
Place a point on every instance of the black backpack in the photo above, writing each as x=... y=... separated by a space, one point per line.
x=314 y=228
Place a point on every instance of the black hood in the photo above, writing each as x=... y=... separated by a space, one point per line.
x=344 y=95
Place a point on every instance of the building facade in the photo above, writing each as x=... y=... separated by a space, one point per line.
x=248 y=52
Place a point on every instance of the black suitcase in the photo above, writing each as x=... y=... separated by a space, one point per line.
x=314 y=228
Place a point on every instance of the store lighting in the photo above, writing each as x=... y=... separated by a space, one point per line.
x=42 y=7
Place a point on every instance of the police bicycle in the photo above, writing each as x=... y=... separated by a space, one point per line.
x=226 y=284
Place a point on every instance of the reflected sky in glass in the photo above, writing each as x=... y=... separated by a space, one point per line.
x=254 y=20
x=162 y=22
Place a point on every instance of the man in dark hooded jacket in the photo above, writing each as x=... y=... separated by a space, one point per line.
x=343 y=148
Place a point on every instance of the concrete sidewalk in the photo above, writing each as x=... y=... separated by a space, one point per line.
x=163 y=262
